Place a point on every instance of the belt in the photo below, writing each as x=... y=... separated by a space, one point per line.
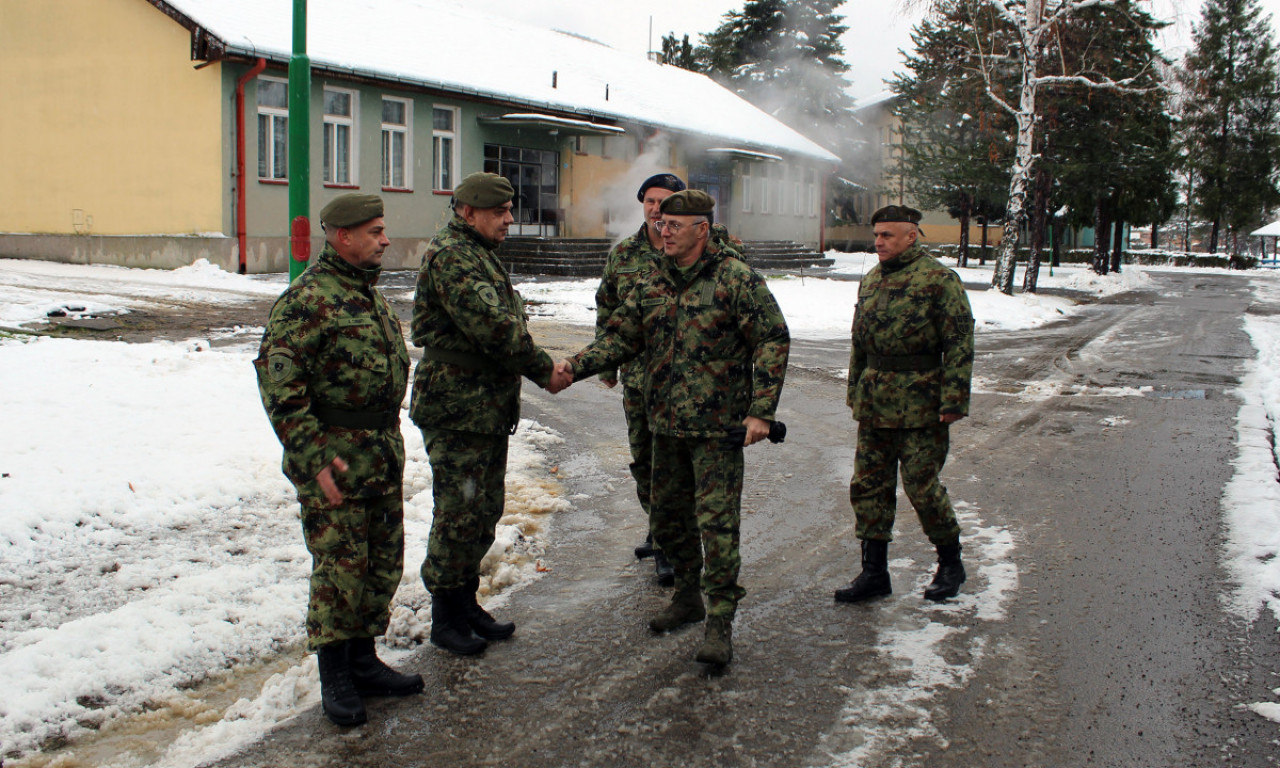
x=905 y=362
x=463 y=359
x=341 y=417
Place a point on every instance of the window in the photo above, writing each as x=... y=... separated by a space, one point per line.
x=273 y=129
x=396 y=147
x=746 y=188
x=535 y=176
x=798 y=193
x=781 y=186
x=764 y=189
x=444 y=148
x=813 y=192
x=339 y=129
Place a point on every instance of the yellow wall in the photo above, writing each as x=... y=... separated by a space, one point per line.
x=105 y=127
x=590 y=194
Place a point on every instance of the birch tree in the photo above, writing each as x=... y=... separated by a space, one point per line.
x=1033 y=23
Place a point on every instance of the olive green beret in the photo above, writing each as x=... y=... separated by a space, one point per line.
x=484 y=190
x=690 y=202
x=891 y=213
x=351 y=209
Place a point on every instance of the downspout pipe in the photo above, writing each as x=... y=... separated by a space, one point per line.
x=241 y=237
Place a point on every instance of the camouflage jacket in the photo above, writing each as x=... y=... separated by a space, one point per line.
x=716 y=344
x=630 y=261
x=466 y=311
x=910 y=305
x=333 y=342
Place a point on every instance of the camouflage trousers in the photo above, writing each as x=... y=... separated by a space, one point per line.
x=696 y=514
x=641 y=441
x=357 y=558
x=468 y=485
x=873 y=492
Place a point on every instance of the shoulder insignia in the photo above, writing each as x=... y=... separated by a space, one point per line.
x=489 y=295
x=279 y=364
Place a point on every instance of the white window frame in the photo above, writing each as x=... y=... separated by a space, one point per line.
x=405 y=131
x=798 y=192
x=267 y=140
x=438 y=136
x=813 y=192
x=331 y=140
x=764 y=189
x=746 y=188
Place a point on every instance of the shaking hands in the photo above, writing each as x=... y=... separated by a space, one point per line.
x=561 y=377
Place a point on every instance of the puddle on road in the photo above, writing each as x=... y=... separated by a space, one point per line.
x=140 y=739
x=1182 y=394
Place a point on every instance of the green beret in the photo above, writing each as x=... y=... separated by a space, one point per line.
x=900 y=213
x=690 y=202
x=351 y=209
x=484 y=190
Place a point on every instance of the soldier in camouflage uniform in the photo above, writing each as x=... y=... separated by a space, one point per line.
x=909 y=373
x=715 y=348
x=472 y=328
x=631 y=260
x=332 y=371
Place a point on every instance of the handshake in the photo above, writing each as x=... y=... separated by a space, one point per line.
x=561 y=377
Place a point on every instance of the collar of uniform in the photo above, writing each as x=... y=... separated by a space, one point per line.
x=720 y=242
x=904 y=259
x=330 y=258
x=642 y=237
x=706 y=262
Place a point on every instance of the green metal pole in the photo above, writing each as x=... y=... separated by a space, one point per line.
x=299 y=145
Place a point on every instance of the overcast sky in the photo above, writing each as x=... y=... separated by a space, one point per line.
x=877 y=28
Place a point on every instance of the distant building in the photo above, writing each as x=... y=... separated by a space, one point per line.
x=881 y=184
x=135 y=131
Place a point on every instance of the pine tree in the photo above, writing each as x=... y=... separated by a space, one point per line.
x=1230 y=116
x=1110 y=150
x=785 y=56
x=954 y=141
x=678 y=53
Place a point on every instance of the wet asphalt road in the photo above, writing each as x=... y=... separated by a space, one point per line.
x=1090 y=631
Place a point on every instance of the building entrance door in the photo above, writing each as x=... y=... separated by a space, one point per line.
x=534 y=174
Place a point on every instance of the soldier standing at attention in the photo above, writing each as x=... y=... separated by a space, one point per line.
x=715 y=346
x=332 y=372
x=630 y=261
x=909 y=373
x=472 y=328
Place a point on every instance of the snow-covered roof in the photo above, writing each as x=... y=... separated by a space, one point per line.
x=460 y=47
x=1270 y=230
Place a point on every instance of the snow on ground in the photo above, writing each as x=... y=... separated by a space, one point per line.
x=149 y=542
x=1251 y=500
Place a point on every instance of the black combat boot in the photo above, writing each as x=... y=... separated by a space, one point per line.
x=666 y=572
x=645 y=549
x=946 y=582
x=449 y=627
x=372 y=677
x=874 y=579
x=479 y=619
x=338 y=697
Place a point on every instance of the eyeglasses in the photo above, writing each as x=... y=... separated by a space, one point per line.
x=669 y=226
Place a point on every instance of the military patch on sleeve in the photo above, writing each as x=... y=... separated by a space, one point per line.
x=489 y=295
x=279 y=364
